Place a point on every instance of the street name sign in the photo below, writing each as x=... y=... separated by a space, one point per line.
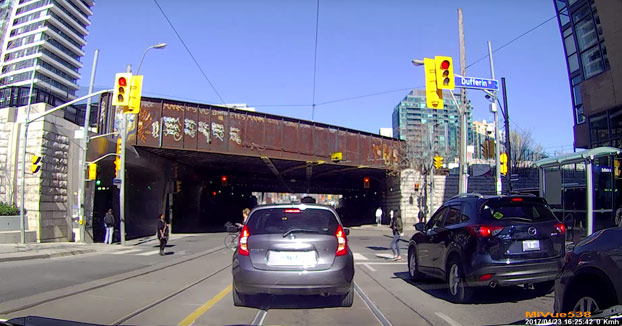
x=476 y=83
x=116 y=181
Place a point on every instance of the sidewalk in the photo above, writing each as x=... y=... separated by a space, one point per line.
x=18 y=251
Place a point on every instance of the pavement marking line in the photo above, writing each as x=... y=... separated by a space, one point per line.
x=370 y=304
x=259 y=317
x=358 y=256
x=205 y=307
x=370 y=268
x=382 y=263
x=149 y=253
x=123 y=252
x=448 y=319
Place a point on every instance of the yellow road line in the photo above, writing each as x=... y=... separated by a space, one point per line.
x=205 y=307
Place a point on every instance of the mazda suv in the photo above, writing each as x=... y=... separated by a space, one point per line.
x=475 y=241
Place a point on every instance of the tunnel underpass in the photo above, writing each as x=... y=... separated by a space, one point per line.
x=208 y=189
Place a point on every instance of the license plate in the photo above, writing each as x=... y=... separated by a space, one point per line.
x=292 y=258
x=531 y=245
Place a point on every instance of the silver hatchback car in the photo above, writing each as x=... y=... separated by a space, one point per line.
x=299 y=249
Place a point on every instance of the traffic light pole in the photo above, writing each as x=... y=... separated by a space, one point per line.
x=493 y=108
x=84 y=145
x=462 y=109
x=122 y=173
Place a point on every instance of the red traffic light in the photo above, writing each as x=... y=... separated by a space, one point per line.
x=224 y=178
x=445 y=64
x=366 y=179
x=122 y=81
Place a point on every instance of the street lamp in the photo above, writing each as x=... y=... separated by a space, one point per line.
x=157 y=46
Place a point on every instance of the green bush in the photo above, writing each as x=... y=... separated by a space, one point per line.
x=8 y=209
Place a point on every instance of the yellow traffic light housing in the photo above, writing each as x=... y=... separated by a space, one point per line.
x=136 y=88
x=117 y=160
x=366 y=182
x=178 y=186
x=503 y=163
x=92 y=171
x=438 y=162
x=223 y=181
x=444 y=67
x=433 y=95
x=36 y=164
x=121 y=91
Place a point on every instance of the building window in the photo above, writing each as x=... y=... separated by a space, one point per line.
x=564 y=18
x=616 y=124
x=599 y=130
x=586 y=34
x=573 y=63
x=592 y=62
x=579 y=114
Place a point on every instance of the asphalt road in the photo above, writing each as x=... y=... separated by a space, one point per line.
x=192 y=285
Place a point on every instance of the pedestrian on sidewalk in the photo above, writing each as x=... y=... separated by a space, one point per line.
x=379 y=216
x=162 y=233
x=398 y=228
x=109 y=223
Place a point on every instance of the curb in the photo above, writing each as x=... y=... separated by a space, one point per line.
x=51 y=255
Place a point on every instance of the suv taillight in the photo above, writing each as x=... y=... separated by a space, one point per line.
x=342 y=242
x=243 y=241
x=561 y=228
x=484 y=231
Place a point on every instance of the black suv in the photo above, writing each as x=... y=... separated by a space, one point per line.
x=474 y=240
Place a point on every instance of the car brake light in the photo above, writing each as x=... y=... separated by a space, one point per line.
x=292 y=210
x=485 y=277
x=485 y=231
x=342 y=242
x=517 y=199
x=561 y=228
x=243 y=241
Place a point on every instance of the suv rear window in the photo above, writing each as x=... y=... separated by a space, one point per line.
x=282 y=220
x=528 y=211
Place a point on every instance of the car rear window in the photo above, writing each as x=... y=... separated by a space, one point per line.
x=282 y=220
x=528 y=211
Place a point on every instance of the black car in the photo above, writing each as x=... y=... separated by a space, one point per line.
x=474 y=240
x=591 y=277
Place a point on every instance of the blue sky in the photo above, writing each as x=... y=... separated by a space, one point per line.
x=262 y=53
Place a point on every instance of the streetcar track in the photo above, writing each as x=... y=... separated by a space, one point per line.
x=396 y=297
x=150 y=269
x=260 y=317
x=157 y=302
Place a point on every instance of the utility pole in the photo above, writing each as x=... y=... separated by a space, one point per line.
x=462 y=109
x=493 y=108
x=84 y=144
x=508 y=145
x=22 y=209
x=122 y=172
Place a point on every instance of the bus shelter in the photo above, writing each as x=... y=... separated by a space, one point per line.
x=583 y=188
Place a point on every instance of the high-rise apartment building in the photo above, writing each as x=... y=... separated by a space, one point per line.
x=592 y=37
x=426 y=128
x=47 y=37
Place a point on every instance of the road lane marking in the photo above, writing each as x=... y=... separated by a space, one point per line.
x=358 y=256
x=205 y=307
x=382 y=263
x=123 y=252
x=259 y=317
x=149 y=253
x=448 y=319
x=370 y=268
x=370 y=304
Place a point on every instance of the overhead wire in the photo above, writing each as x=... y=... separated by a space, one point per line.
x=512 y=40
x=317 y=24
x=189 y=52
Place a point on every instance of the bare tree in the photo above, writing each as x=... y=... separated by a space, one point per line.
x=525 y=150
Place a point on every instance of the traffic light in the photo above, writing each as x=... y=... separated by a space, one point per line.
x=433 y=95
x=485 y=149
x=117 y=160
x=617 y=168
x=444 y=72
x=136 y=88
x=438 y=162
x=503 y=163
x=120 y=93
x=36 y=164
x=416 y=187
x=178 y=186
x=366 y=182
x=223 y=181
x=92 y=171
